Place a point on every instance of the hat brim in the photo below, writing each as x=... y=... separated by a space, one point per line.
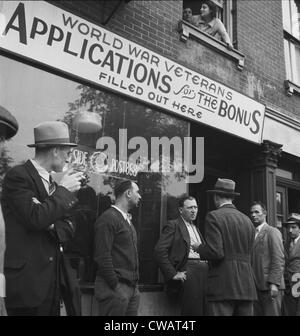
x=291 y=222
x=8 y=122
x=221 y=192
x=47 y=144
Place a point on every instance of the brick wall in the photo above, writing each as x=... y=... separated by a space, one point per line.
x=153 y=24
x=260 y=38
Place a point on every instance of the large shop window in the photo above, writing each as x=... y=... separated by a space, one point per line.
x=33 y=96
x=291 y=30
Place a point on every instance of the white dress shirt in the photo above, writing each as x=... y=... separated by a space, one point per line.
x=45 y=176
x=194 y=238
x=258 y=228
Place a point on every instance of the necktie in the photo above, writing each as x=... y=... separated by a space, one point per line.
x=292 y=243
x=52 y=185
x=256 y=232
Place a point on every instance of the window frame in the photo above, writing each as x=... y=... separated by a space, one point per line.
x=187 y=30
x=225 y=13
x=291 y=42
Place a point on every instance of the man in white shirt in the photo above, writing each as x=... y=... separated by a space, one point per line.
x=267 y=263
x=180 y=264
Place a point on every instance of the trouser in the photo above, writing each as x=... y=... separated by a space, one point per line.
x=266 y=305
x=290 y=305
x=122 y=301
x=230 y=308
x=49 y=307
x=194 y=289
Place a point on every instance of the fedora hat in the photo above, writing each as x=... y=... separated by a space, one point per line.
x=293 y=218
x=8 y=123
x=224 y=187
x=52 y=133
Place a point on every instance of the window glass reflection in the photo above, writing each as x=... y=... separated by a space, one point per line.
x=34 y=96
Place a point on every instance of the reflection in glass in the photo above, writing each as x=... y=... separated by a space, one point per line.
x=279 y=223
x=43 y=96
x=279 y=203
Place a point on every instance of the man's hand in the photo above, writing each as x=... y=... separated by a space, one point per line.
x=2 y=307
x=229 y=46
x=273 y=291
x=72 y=181
x=181 y=276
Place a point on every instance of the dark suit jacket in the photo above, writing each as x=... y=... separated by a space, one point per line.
x=31 y=248
x=292 y=259
x=172 y=249
x=268 y=258
x=229 y=236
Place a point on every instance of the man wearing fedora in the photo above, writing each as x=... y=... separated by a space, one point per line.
x=8 y=128
x=267 y=263
x=229 y=236
x=37 y=218
x=291 y=299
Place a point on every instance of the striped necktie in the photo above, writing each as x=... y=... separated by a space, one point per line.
x=52 y=185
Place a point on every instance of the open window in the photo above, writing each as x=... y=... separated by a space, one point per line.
x=226 y=13
x=291 y=32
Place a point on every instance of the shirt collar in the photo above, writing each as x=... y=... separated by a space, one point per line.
x=126 y=215
x=296 y=239
x=41 y=170
x=186 y=222
x=259 y=227
x=225 y=203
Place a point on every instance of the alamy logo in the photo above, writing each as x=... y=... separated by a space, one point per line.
x=159 y=155
x=296 y=285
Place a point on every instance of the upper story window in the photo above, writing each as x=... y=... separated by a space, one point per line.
x=212 y=24
x=224 y=13
x=291 y=30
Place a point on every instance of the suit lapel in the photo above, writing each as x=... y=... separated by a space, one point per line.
x=42 y=192
x=200 y=235
x=184 y=231
x=295 y=248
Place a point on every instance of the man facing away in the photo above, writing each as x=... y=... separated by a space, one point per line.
x=37 y=219
x=291 y=299
x=229 y=236
x=116 y=255
x=8 y=128
x=179 y=263
x=267 y=263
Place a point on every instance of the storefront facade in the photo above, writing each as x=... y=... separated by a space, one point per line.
x=135 y=71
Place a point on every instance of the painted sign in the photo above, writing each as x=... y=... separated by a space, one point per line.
x=42 y=32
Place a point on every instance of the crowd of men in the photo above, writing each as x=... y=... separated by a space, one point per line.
x=238 y=267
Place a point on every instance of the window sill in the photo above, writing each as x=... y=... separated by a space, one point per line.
x=186 y=30
x=291 y=87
